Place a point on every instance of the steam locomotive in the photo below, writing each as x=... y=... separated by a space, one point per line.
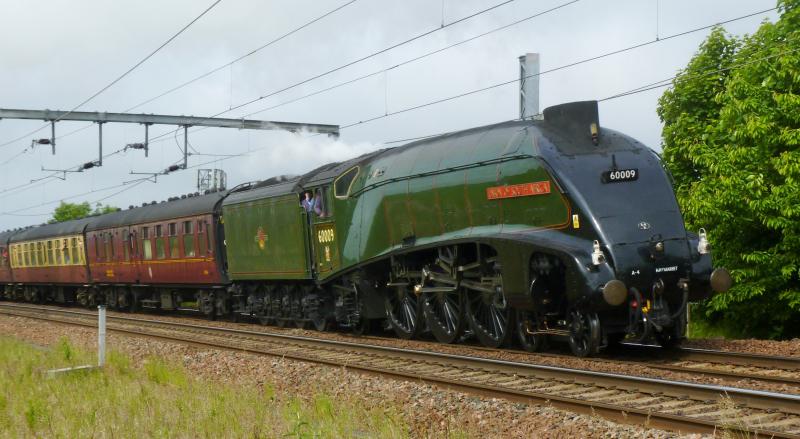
x=531 y=230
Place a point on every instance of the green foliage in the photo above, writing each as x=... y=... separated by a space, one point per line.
x=732 y=142
x=71 y=211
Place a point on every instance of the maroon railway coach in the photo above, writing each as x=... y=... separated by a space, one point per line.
x=6 y=275
x=158 y=255
x=49 y=262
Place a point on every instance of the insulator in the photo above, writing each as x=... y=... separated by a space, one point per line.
x=88 y=165
x=42 y=141
x=135 y=146
x=173 y=168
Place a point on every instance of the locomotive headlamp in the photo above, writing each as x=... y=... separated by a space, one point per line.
x=660 y=246
x=615 y=292
x=598 y=258
x=703 y=246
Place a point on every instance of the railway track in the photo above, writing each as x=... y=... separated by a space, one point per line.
x=671 y=405
x=726 y=365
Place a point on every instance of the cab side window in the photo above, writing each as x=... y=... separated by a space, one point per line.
x=343 y=184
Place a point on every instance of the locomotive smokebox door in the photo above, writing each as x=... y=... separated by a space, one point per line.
x=325 y=248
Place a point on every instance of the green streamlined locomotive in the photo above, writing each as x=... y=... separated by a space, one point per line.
x=545 y=228
x=526 y=230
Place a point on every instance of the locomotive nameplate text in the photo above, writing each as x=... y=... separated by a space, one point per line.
x=518 y=190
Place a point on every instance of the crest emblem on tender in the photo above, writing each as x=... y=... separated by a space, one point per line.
x=261 y=238
x=644 y=225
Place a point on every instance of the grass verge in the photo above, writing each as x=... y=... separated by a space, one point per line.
x=161 y=399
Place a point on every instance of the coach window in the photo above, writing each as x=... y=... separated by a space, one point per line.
x=188 y=239
x=73 y=250
x=201 y=239
x=161 y=252
x=174 y=248
x=35 y=250
x=110 y=249
x=126 y=242
x=147 y=249
x=78 y=251
x=42 y=253
x=100 y=246
x=65 y=252
x=209 y=240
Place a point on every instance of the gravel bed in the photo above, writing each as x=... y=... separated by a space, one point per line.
x=787 y=348
x=430 y=411
x=558 y=355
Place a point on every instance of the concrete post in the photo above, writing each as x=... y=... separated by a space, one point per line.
x=101 y=335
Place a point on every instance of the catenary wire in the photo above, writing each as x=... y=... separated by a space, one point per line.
x=119 y=78
x=160 y=138
x=633 y=91
x=353 y=62
x=515 y=80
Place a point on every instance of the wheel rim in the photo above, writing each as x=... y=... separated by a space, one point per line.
x=584 y=333
x=207 y=305
x=111 y=300
x=444 y=313
x=489 y=318
x=122 y=301
x=403 y=312
x=527 y=323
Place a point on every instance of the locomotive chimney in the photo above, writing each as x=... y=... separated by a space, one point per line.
x=528 y=85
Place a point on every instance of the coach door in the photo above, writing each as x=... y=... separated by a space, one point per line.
x=323 y=233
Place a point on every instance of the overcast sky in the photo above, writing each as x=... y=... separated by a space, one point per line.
x=55 y=54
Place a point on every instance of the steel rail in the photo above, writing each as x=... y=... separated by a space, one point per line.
x=646 y=401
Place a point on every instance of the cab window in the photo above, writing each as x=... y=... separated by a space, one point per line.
x=344 y=183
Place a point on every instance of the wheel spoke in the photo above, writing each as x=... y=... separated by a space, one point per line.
x=411 y=313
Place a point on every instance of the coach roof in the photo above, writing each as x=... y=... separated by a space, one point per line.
x=65 y=228
x=165 y=210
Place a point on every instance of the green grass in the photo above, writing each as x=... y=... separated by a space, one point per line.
x=162 y=399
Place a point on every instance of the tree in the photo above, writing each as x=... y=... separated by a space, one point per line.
x=71 y=211
x=732 y=141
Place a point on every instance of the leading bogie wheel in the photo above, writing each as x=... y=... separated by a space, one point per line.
x=584 y=333
x=526 y=324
